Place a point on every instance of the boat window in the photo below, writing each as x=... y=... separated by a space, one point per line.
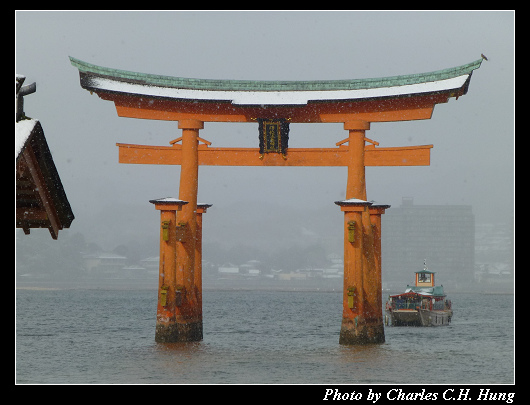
x=438 y=305
x=405 y=303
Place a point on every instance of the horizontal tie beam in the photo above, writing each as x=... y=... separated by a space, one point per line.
x=374 y=156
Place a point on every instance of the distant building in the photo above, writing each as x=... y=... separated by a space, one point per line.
x=292 y=276
x=494 y=256
x=104 y=263
x=228 y=269
x=151 y=263
x=444 y=235
x=251 y=268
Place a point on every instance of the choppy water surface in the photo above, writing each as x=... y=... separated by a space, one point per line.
x=107 y=336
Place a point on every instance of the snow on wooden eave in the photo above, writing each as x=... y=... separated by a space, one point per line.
x=353 y=201
x=23 y=130
x=274 y=97
x=168 y=200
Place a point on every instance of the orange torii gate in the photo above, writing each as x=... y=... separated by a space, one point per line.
x=274 y=105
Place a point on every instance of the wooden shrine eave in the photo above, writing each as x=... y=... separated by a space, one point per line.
x=403 y=109
x=374 y=156
x=41 y=201
x=396 y=98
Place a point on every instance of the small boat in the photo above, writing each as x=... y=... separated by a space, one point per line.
x=423 y=304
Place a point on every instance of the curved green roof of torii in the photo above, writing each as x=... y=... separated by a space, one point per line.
x=98 y=78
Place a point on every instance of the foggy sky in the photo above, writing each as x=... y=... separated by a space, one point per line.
x=472 y=161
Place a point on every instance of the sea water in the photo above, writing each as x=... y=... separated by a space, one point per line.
x=105 y=336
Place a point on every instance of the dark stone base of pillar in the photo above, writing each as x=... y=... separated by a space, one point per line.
x=178 y=332
x=361 y=334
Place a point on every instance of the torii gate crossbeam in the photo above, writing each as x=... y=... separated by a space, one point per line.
x=274 y=105
x=208 y=156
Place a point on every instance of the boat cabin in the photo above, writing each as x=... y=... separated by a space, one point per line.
x=425 y=278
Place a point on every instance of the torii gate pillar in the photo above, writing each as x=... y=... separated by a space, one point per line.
x=356 y=185
x=169 y=292
x=362 y=322
x=189 y=314
x=179 y=313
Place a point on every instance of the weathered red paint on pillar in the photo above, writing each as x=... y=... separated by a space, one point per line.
x=376 y=210
x=188 y=317
x=355 y=301
x=361 y=324
x=167 y=287
x=356 y=183
x=201 y=209
x=373 y=321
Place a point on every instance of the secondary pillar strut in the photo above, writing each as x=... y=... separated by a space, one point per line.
x=201 y=209
x=169 y=294
x=376 y=210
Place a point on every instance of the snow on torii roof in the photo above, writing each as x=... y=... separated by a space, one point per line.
x=249 y=92
x=353 y=201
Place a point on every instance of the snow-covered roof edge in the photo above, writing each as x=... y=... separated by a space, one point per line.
x=353 y=201
x=168 y=200
x=248 y=92
x=23 y=130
